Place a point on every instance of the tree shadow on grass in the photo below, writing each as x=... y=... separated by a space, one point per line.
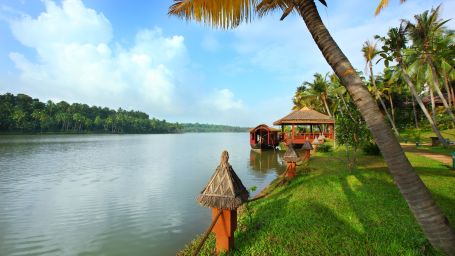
x=384 y=215
x=284 y=227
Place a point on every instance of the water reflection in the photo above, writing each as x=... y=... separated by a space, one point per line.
x=115 y=194
x=267 y=161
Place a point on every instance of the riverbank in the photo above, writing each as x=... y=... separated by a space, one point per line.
x=331 y=210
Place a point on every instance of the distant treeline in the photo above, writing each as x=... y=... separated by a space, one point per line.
x=212 y=128
x=22 y=113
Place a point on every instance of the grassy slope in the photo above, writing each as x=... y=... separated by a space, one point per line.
x=331 y=210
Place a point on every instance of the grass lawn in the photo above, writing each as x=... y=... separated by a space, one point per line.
x=426 y=139
x=425 y=135
x=333 y=211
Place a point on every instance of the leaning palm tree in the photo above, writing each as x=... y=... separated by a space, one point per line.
x=369 y=53
x=230 y=13
x=428 y=26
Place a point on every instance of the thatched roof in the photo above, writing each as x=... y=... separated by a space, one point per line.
x=437 y=100
x=305 y=116
x=307 y=146
x=264 y=126
x=290 y=155
x=224 y=190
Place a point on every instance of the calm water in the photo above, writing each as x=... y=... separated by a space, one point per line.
x=114 y=194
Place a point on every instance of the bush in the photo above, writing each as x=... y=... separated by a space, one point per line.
x=325 y=148
x=371 y=148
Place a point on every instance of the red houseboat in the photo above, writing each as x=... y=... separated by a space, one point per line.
x=264 y=137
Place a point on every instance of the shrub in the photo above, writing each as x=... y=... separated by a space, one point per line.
x=371 y=148
x=325 y=147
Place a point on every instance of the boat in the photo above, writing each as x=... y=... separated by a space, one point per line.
x=263 y=137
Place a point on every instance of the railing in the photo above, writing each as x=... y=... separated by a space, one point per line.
x=301 y=137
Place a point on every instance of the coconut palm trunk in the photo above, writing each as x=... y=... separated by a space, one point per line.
x=422 y=106
x=392 y=122
x=326 y=105
x=430 y=218
x=392 y=108
x=438 y=90
x=446 y=85
x=433 y=106
x=414 y=110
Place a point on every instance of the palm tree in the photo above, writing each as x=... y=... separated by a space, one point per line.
x=318 y=90
x=307 y=97
x=424 y=33
x=369 y=53
x=230 y=13
x=394 y=44
x=445 y=45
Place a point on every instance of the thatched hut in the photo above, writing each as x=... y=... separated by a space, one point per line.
x=224 y=194
x=224 y=190
x=291 y=158
x=306 y=124
x=290 y=155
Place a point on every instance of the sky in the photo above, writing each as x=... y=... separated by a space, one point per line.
x=132 y=55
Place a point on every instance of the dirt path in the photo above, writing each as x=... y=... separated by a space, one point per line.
x=445 y=159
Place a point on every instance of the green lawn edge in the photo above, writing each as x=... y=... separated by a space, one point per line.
x=329 y=210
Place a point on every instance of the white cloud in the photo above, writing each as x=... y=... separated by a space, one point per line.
x=70 y=23
x=223 y=100
x=77 y=60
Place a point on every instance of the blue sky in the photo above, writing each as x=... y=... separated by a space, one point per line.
x=131 y=54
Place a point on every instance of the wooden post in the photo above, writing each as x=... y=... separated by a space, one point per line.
x=224 y=229
x=306 y=155
x=290 y=171
x=292 y=134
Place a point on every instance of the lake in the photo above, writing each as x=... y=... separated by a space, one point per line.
x=115 y=194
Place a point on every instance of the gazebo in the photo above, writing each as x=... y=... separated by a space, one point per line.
x=306 y=124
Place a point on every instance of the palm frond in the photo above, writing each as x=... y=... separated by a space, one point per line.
x=383 y=4
x=219 y=14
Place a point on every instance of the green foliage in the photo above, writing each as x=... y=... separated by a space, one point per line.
x=325 y=147
x=282 y=146
x=331 y=211
x=371 y=148
x=416 y=135
x=21 y=113
x=352 y=132
x=197 y=127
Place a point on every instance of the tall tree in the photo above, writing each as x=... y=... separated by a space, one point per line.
x=424 y=32
x=394 y=44
x=229 y=14
x=313 y=93
x=369 y=53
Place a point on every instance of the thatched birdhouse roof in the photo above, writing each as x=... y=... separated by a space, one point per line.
x=316 y=142
x=290 y=155
x=307 y=146
x=224 y=190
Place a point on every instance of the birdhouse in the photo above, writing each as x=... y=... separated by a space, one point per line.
x=315 y=144
x=291 y=158
x=306 y=147
x=224 y=193
x=321 y=138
